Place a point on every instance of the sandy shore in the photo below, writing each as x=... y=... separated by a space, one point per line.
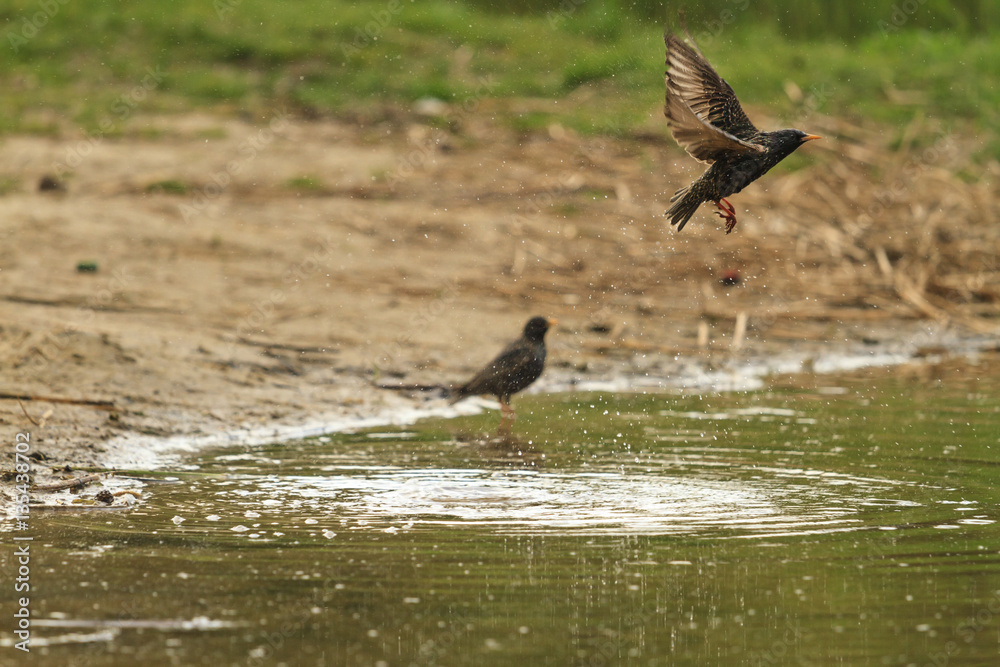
x=254 y=275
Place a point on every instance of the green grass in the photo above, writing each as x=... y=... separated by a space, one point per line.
x=9 y=185
x=168 y=187
x=304 y=184
x=802 y=18
x=97 y=65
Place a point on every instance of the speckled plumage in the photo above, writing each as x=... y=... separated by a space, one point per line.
x=706 y=118
x=514 y=369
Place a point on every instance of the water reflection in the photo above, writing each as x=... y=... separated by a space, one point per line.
x=613 y=530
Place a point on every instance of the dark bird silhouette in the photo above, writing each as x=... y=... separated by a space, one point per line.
x=707 y=120
x=514 y=369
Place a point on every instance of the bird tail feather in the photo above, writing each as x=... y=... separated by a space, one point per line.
x=686 y=204
x=444 y=390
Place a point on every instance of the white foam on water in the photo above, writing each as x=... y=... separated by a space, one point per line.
x=609 y=502
x=747 y=374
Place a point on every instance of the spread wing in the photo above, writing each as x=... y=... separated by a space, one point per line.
x=707 y=93
x=702 y=110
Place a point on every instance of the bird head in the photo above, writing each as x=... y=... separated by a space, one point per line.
x=803 y=137
x=536 y=327
x=784 y=142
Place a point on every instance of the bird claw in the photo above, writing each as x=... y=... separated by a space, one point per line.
x=727 y=213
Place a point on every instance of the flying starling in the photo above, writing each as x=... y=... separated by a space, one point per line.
x=707 y=120
x=520 y=364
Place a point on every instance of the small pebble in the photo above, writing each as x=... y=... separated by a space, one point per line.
x=49 y=183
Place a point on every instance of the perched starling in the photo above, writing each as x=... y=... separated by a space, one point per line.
x=707 y=120
x=520 y=364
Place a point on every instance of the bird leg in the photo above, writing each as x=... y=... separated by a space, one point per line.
x=507 y=410
x=507 y=418
x=727 y=212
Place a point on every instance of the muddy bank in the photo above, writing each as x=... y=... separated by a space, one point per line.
x=203 y=289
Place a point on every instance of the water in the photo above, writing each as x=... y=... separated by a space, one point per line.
x=823 y=521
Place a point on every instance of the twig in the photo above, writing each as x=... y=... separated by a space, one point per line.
x=884 y=265
x=630 y=344
x=69 y=483
x=908 y=292
x=101 y=405
x=741 y=329
x=702 y=334
x=285 y=346
x=25 y=411
x=81 y=508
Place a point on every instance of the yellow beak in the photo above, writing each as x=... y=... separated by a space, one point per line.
x=810 y=137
